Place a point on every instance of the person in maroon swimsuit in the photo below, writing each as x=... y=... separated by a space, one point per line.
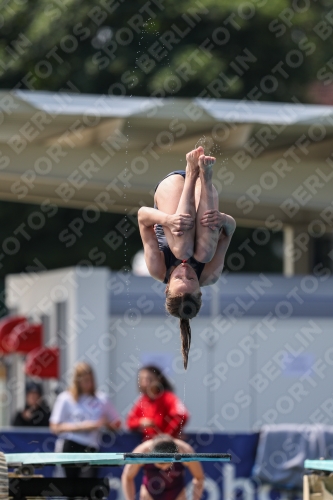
x=185 y=238
x=163 y=481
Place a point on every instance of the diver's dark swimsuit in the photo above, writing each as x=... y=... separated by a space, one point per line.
x=170 y=259
x=164 y=484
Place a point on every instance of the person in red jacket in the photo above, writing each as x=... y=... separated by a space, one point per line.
x=158 y=410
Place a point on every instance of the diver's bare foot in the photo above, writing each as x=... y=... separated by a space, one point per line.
x=192 y=161
x=206 y=164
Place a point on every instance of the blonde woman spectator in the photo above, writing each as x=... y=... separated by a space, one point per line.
x=79 y=416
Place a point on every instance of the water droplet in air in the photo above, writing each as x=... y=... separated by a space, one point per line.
x=207 y=143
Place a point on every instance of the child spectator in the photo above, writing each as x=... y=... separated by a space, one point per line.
x=36 y=412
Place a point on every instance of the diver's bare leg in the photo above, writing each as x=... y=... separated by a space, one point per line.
x=206 y=239
x=176 y=196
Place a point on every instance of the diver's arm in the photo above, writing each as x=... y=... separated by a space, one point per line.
x=153 y=256
x=195 y=468
x=148 y=217
x=179 y=234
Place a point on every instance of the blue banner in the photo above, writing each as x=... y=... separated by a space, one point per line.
x=226 y=481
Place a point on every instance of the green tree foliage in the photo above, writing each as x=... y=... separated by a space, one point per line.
x=261 y=49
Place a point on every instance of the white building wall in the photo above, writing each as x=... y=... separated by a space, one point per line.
x=84 y=293
x=238 y=380
x=243 y=371
x=92 y=321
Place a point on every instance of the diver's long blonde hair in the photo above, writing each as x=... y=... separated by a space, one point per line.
x=80 y=370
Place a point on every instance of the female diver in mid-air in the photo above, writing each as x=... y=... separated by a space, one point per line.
x=185 y=238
